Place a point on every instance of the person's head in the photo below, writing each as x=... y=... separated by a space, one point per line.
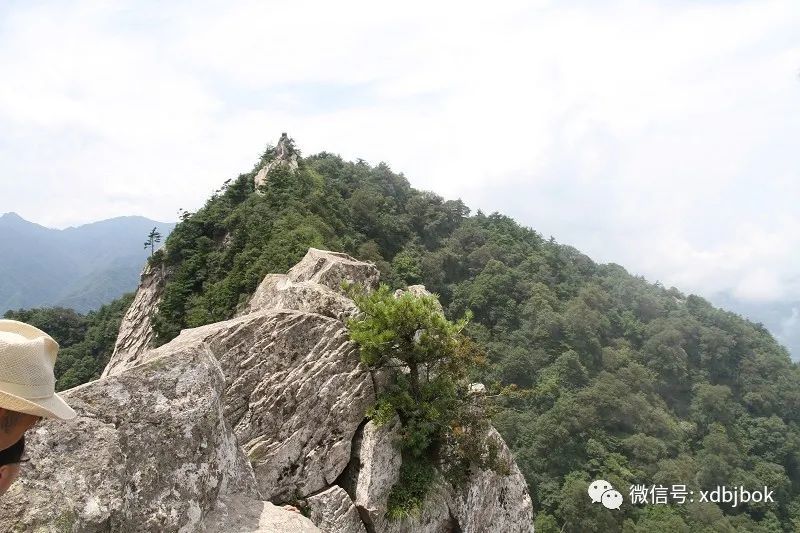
x=13 y=426
x=10 y=459
x=27 y=382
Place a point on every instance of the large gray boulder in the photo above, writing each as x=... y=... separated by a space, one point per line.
x=374 y=470
x=332 y=268
x=295 y=394
x=278 y=291
x=314 y=285
x=494 y=501
x=333 y=510
x=376 y=464
x=150 y=450
x=241 y=514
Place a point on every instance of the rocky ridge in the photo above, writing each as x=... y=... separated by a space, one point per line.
x=136 y=332
x=284 y=155
x=219 y=428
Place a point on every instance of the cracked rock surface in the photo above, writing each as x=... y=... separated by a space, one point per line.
x=221 y=428
x=150 y=451
x=333 y=510
x=135 y=332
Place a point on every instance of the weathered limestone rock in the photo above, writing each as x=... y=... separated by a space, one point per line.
x=378 y=468
x=416 y=290
x=277 y=291
x=314 y=285
x=149 y=451
x=135 y=332
x=213 y=430
x=477 y=389
x=374 y=470
x=295 y=394
x=490 y=501
x=247 y=515
x=334 y=512
x=332 y=268
x=284 y=156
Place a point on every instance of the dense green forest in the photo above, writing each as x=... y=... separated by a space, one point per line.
x=617 y=378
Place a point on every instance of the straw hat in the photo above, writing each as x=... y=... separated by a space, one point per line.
x=27 y=383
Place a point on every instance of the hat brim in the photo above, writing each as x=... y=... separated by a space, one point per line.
x=52 y=407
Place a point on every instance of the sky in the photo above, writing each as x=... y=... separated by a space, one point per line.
x=658 y=135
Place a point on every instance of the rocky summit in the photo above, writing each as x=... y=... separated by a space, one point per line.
x=253 y=424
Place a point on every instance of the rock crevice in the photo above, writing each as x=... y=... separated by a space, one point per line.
x=217 y=429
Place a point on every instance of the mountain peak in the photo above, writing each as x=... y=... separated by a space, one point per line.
x=13 y=219
x=285 y=146
x=284 y=154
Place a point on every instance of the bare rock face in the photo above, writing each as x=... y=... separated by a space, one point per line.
x=493 y=500
x=135 y=332
x=284 y=156
x=416 y=290
x=490 y=501
x=373 y=472
x=295 y=394
x=314 y=285
x=377 y=469
x=277 y=291
x=247 y=515
x=332 y=268
x=333 y=510
x=217 y=429
x=149 y=451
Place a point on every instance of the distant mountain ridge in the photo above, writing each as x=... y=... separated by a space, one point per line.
x=80 y=267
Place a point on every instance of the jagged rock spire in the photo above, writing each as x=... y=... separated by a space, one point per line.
x=284 y=155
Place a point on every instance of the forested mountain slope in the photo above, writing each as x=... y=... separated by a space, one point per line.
x=617 y=378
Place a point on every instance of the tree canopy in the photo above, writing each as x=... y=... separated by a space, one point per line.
x=425 y=360
x=619 y=378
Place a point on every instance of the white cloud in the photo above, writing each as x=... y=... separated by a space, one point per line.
x=658 y=135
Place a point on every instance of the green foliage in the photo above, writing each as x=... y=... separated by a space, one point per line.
x=153 y=238
x=428 y=360
x=407 y=496
x=617 y=378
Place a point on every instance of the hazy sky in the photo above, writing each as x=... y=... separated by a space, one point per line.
x=658 y=135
